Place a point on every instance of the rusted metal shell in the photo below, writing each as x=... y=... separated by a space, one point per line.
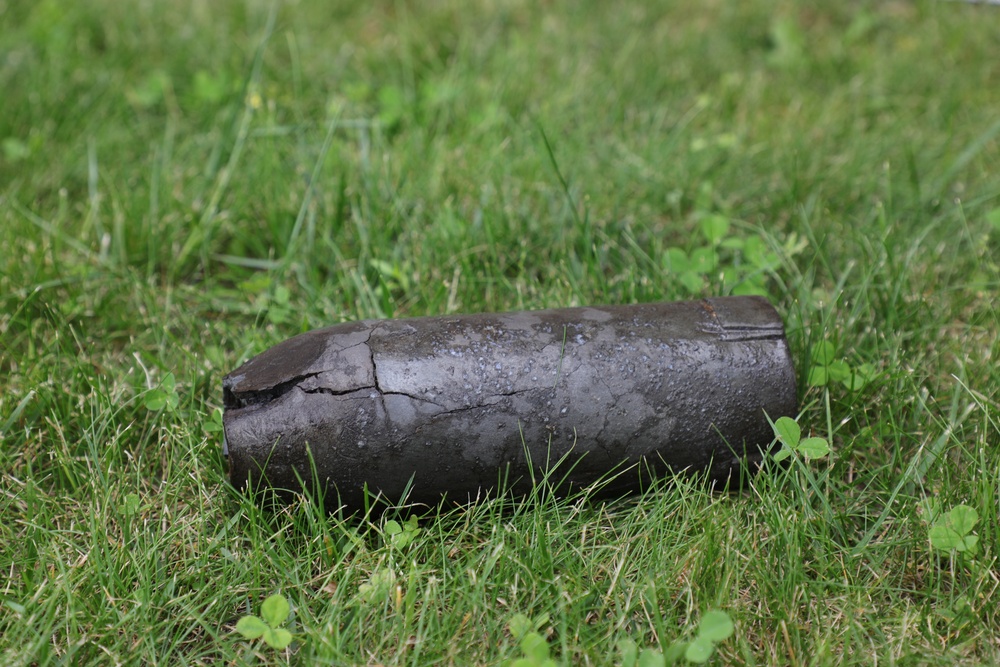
x=452 y=405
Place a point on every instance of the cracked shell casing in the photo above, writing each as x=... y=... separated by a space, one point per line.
x=413 y=410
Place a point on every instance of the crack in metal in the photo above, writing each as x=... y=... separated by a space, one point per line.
x=378 y=385
x=254 y=397
x=371 y=356
x=487 y=402
x=249 y=398
x=336 y=392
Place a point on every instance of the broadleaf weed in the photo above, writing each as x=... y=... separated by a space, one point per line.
x=273 y=613
x=952 y=531
x=714 y=628
x=789 y=434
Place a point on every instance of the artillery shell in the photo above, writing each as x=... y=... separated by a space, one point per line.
x=450 y=406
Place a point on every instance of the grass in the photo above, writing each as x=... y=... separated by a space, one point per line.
x=184 y=184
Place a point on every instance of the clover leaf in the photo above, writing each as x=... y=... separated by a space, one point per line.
x=274 y=611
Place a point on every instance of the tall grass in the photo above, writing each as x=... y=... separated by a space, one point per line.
x=184 y=184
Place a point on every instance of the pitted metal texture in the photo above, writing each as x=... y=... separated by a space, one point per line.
x=450 y=406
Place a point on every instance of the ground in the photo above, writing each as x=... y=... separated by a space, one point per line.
x=184 y=184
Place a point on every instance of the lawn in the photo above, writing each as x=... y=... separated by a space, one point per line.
x=184 y=184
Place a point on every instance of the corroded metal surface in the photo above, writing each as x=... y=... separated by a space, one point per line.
x=450 y=405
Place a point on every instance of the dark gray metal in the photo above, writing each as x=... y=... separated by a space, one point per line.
x=453 y=404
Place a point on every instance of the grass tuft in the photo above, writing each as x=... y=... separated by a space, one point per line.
x=184 y=185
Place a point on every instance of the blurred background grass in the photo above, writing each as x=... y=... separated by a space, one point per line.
x=184 y=184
